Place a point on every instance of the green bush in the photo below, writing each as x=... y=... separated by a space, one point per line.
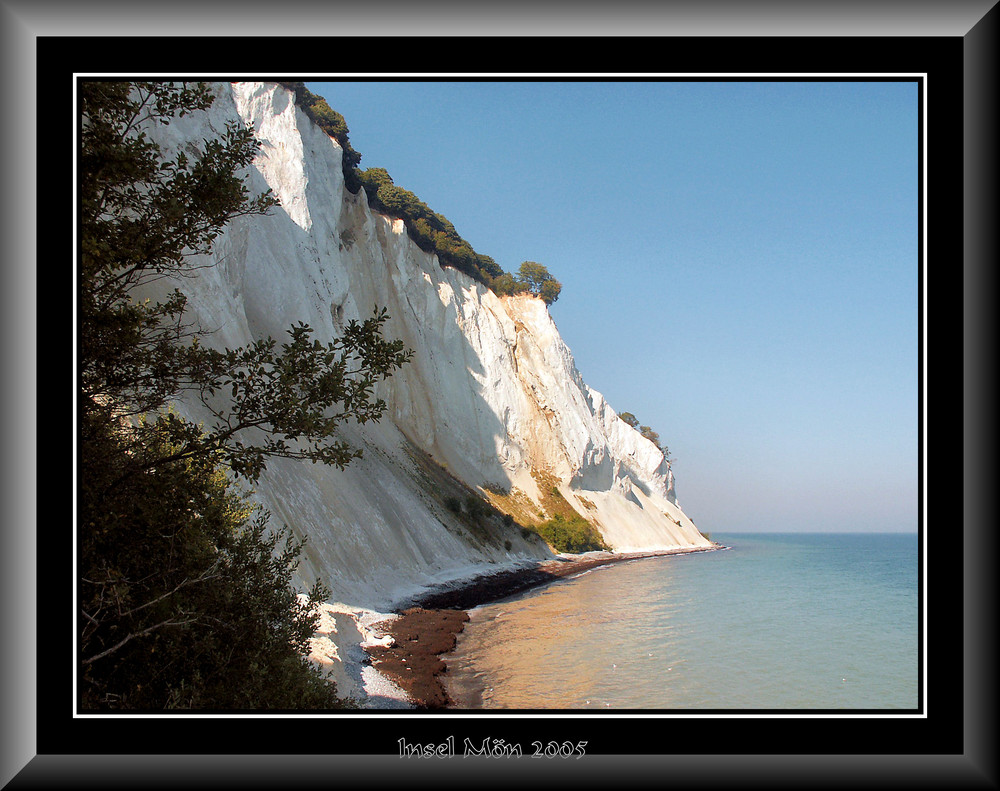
x=475 y=507
x=186 y=590
x=574 y=535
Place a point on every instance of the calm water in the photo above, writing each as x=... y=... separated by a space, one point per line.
x=778 y=621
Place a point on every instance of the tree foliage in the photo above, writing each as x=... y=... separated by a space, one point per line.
x=185 y=596
x=539 y=281
x=431 y=231
x=331 y=122
x=647 y=433
x=629 y=418
x=654 y=437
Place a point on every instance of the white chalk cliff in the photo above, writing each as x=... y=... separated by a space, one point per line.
x=491 y=398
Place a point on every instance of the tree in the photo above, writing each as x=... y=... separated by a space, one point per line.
x=539 y=282
x=505 y=284
x=144 y=218
x=488 y=266
x=649 y=434
x=430 y=231
x=170 y=559
x=653 y=437
x=373 y=179
x=646 y=432
x=185 y=596
x=629 y=418
x=549 y=292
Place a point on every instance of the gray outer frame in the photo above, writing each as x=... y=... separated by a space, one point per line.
x=22 y=21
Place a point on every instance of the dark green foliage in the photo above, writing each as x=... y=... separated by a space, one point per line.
x=432 y=232
x=331 y=122
x=184 y=599
x=548 y=292
x=490 y=268
x=142 y=219
x=476 y=507
x=506 y=285
x=572 y=534
x=539 y=282
x=653 y=437
x=298 y=396
x=374 y=179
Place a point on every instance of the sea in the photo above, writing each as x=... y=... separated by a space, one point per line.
x=775 y=621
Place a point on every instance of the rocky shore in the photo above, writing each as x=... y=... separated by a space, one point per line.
x=428 y=628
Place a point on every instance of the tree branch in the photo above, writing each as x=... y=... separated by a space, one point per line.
x=153 y=628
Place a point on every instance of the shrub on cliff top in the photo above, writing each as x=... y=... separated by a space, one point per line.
x=430 y=231
x=331 y=122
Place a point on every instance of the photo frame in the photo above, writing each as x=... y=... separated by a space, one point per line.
x=45 y=744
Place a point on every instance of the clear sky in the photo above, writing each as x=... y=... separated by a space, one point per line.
x=739 y=263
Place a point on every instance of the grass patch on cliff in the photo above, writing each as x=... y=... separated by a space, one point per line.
x=553 y=502
x=565 y=530
x=571 y=535
x=513 y=503
x=474 y=518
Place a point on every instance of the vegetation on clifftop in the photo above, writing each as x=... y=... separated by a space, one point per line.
x=646 y=432
x=430 y=231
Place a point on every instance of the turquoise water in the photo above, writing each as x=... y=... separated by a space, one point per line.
x=777 y=621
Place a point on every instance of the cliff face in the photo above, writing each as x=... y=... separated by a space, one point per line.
x=491 y=399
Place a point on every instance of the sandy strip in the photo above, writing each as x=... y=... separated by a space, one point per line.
x=423 y=633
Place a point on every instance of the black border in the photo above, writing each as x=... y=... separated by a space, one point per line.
x=910 y=752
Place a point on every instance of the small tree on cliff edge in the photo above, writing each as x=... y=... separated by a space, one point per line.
x=539 y=282
x=630 y=419
x=184 y=598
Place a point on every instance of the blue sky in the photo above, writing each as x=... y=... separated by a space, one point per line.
x=739 y=264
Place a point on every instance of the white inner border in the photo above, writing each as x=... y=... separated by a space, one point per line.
x=640 y=77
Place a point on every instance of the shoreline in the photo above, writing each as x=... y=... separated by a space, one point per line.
x=427 y=629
